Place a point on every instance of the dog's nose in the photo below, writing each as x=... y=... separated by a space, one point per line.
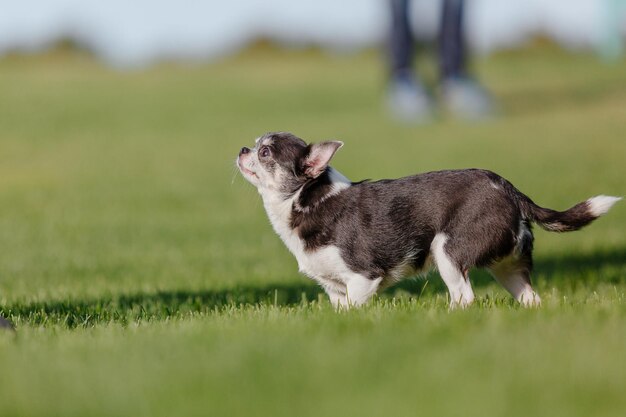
x=244 y=151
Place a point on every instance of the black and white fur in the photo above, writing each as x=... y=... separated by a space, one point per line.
x=356 y=239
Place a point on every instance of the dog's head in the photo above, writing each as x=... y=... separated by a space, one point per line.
x=283 y=163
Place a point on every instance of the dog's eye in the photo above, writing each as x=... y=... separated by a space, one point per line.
x=264 y=152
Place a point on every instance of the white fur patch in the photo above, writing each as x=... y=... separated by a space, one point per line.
x=325 y=262
x=339 y=182
x=279 y=212
x=360 y=289
x=601 y=204
x=460 y=289
x=523 y=234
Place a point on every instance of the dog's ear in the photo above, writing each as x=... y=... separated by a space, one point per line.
x=318 y=157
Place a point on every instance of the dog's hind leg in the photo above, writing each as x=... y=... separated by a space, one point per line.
x=457 y=281
x=513 y=273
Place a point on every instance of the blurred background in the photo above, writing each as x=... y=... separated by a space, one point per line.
x=143 y=32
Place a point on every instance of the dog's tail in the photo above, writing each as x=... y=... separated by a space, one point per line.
x=571 y=219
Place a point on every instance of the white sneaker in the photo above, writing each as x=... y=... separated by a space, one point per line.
x=465 y=98
x=407 y=101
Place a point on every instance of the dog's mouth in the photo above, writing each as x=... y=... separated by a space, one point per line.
x=247 y=171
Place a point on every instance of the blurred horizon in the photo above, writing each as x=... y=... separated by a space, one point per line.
x=142 y=33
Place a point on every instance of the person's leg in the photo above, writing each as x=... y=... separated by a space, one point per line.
x=401 y=43
x=461 y=94
x=406 y=99
x=451 y=40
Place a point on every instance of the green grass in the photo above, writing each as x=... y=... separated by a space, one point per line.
x=145 y=280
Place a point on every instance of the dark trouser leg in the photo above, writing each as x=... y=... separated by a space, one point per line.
x=406 y=98
x=452 y=41
x=401 y=43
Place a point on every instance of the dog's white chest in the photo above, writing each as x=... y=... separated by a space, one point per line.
x=322 y=263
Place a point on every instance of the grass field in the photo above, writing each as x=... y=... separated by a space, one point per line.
x=145 y=280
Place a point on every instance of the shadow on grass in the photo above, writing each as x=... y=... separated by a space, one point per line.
x=572 y=268
x=157 y=306
x=162 y=305
x=580 y=264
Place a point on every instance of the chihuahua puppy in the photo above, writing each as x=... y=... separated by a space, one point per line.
x=355 y=239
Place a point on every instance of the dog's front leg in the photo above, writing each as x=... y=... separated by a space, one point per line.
x=336 y=292
x=359 y=289
x=338 y=300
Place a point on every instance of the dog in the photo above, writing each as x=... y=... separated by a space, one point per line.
x=357 y=238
